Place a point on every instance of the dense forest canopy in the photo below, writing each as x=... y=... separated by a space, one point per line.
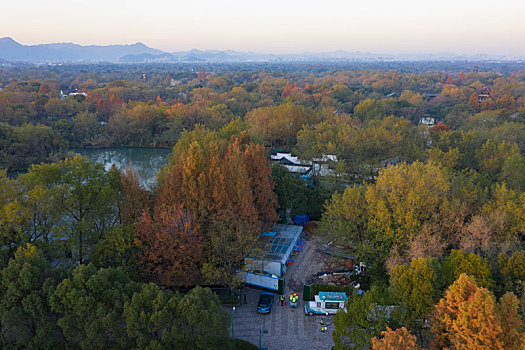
x=417 y=170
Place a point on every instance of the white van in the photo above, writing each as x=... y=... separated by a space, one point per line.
x=326 y=303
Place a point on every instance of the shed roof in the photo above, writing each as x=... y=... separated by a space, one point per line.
x=280 y=245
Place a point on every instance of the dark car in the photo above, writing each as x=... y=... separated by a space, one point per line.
x=265 y=303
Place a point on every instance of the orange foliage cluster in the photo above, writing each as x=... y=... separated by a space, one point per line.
x=90 y=97
x=205 y=187
x=173 y=108
x=399 y=339
x=288 y=89
x=439 y=127
x=44 y=89
x=234 y=185
x=202 y=74
x=114 y=100
x=468 y=317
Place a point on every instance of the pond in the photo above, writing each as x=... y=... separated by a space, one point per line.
x=147 y=161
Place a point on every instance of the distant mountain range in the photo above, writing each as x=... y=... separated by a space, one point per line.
x=10 y=50
x=199 y=56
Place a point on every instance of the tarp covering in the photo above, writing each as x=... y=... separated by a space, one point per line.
x=301 y=219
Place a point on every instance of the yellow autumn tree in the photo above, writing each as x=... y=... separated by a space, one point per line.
x=414 y=287
x=404 y=197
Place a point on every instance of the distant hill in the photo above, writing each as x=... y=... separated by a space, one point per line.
x=11 y=50
x=194 y=56
x=201 y=56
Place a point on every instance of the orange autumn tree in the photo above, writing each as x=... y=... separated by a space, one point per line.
x=438 y=129
x=228 y=186
x=114 y=100
x=468 y=317
x=171 y=246
x=103 y=108
x=473 y=102
x=261 y=182
x=400 y=339
x=202 y=74
x=235 y=219
x=44 y=89
x=218 y=181
x=287 y=91
x=507 y=103
x=461 y=77
x=232 y=195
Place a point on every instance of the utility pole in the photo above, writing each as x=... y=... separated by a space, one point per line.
x=233 y=312
x=260 y=336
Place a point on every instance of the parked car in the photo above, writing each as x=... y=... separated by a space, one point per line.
x=265 y=303
x=326 y=303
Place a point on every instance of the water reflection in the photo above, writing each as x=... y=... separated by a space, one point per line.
x=147 y=161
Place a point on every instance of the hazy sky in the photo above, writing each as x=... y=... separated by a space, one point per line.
x=276 y=26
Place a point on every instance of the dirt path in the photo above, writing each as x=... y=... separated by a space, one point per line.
x=305 y=264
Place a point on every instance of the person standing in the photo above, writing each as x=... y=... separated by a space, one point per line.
x=282 y=300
